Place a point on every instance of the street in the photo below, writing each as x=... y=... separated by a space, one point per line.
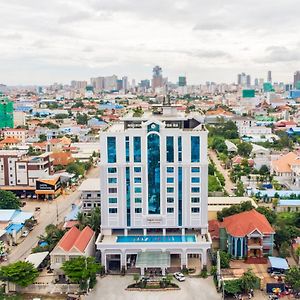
x=47 y=215
x=229 y=186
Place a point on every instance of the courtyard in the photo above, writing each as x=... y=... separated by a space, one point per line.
x=113 y=288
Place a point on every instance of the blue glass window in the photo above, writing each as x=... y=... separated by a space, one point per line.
x=170 y=180
x=170 y=199
x=195 y=210
x=127 y=150
x=138 y=210
x=179 y=196
x=195 y=149
x=138 y=200
x=112 y=180
x=170 y=190
x=170 y=170
x=195 y=169
x=195 y=179
x=179 y=148
x=195 y=199
x=128 y=195
x=137 y=180
x=112 y=200
x=137 y=169
x=112 y=190
x=170 y=210
x=112 y=170
x=113 y=210
x=138 y=190
x=111 y=149
x=195 y=189
x=153 y=153
x=137 y=150
x=170 y=149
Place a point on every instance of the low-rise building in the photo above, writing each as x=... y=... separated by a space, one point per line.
x=287 y=205
x=90 y=194
x=73 y=244
x=247 y=234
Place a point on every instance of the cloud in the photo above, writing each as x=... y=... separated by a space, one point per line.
x=208 y=26
x=75 y=17
x=279 y=54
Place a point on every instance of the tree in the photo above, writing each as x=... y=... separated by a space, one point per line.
x=244 y=149
x=136 y=278
x=240 y=191
x=93 y=220
x=264 y=170
x=219 y=145
x=9 y=200
x=82 y=119
x=21 y=273
x=82 y=270
x=213 y=184
x=224 y=259
x=297 y=252
x=233 y=287
x=284 y=250
x=42 y=138
x=268 y=213
x=76 y=168
x=249 y=280
x=293 y=278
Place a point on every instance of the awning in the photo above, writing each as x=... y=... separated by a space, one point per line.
x=153 y=259
x=278 y=263
x=37 y=258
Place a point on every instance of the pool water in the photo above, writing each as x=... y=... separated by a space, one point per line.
x=157 y=239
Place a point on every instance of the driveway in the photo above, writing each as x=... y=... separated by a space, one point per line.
x=229 y=185
x=113 y=288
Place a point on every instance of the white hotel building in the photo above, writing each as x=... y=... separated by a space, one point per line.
x=153 y=175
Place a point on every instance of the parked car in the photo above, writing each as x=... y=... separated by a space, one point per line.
x=179 y=276
x=277 y=274
x=25 y=233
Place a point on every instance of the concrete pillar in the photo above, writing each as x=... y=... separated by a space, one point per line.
x=204 y=257
x=123 y=260
x=103 y=260
x=183 y=259
x=142 y=271
x=145 y=231
x=125 y=232
x=164 y=231
x=163 y=271
x=183 y=231
x=235 y=247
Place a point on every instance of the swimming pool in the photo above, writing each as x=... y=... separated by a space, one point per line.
x=157 y=239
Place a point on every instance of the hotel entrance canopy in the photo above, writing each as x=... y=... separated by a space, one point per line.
x=153 y=259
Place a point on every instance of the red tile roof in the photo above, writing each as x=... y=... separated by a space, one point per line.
x=76 y=238
x=244 y=223
x=214 y=229
x=69 y=238
x=84 y=238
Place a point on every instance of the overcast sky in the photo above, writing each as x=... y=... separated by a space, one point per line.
x=207 y=40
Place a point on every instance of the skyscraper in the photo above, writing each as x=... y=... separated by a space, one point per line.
x=6 y=113
x=270 y=76
x=153 y=178
x=248 y=80
x=125 y=83
x=181 y=81
x=296 y=78
x=157 y=79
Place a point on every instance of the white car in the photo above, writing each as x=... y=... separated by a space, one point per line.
x=25 y=233
x=179 y=276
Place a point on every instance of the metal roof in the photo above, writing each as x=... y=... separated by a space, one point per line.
x=278 y=263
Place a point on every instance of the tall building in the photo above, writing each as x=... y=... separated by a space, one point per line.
x=296 y=78
x=181 y=81
x=270 y=76
x=6 y=113
x=110 y=83
x=248 y=80
x=125 y=83
x=153 y=182
x=145 y=84
x=239 y=79
x=119 y=84
x=98 y=83
x=157 y=79
x=78 y=84
x=256 y=82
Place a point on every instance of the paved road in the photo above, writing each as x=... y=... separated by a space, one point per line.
x=113 y=288
x=46 y=216
x=229 y=186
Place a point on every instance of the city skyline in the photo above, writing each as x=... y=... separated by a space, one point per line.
x=61 y=41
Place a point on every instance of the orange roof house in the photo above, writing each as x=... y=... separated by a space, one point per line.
x=284 y=164
x=61 y=158
x=247 y=234
x=74 y=243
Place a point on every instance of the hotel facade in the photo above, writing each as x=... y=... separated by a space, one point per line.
x=153 y=181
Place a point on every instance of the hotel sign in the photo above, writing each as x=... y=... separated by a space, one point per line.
x=153 y=221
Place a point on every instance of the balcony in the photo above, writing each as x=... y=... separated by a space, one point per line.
x=254 y=243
